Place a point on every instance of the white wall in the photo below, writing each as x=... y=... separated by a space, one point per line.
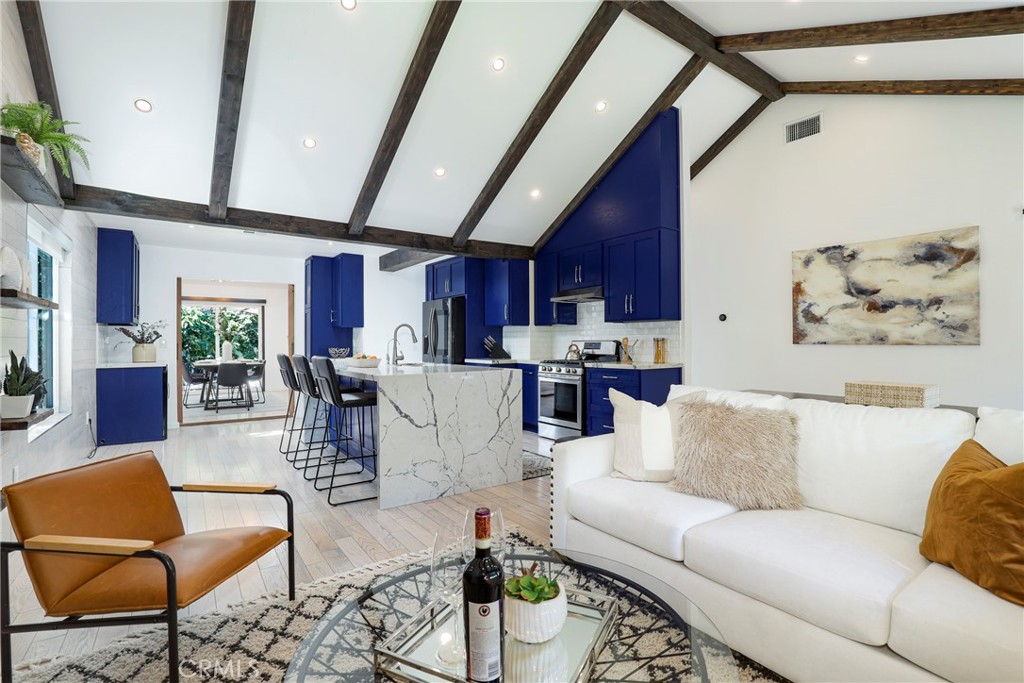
x=389 y=298
x=882 y=167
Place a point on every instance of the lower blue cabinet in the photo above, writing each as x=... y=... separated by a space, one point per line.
x=131 y=405
x=644 y=385
x=530 y=398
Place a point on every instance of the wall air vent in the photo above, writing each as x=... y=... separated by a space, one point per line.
x=805 y=127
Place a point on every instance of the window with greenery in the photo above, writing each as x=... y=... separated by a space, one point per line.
x=42 y=322
x=204 y=327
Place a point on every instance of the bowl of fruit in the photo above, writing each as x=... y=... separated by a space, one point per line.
x=361 y=360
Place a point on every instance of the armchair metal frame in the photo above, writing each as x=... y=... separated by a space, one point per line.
x=169 y=616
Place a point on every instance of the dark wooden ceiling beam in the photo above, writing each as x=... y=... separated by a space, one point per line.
x=31 y=15
x=660 y=15
x=117 y=203
x=400 y=259
x=236 y=55
x=440 y=22
x=990 y=86
x=993 y=22
x=665 y=100
x=578 y=57
x=729 y=135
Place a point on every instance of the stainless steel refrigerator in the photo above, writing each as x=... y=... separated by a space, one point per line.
x=444 y=331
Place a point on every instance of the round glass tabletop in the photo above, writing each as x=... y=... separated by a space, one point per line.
x=653 y=632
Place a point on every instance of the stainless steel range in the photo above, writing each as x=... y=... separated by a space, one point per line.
x=561 y=388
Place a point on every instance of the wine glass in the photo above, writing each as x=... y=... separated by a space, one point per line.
x=451 y=552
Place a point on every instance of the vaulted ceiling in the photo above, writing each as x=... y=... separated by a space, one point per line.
x=318 y=71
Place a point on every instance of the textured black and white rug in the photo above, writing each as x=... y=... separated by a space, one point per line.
x=256 y=641
x=535 y=465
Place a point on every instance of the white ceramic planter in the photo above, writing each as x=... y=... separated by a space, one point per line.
x=17 y=407
x=144 y=353
x=538 y=623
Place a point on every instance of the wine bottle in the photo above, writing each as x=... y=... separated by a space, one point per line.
x=483 y=603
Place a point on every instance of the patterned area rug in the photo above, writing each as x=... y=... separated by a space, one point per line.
x=535 y=465
x=256 y=641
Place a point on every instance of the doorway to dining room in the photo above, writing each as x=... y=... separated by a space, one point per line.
x=229 y=334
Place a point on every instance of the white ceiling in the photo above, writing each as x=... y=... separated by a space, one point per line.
x=316 y=70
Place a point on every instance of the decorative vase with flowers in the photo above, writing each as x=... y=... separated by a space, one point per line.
x=39 y=134
x=535 y=608
x=144 y=336
x=23 y=388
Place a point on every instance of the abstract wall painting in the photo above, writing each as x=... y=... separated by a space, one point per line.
x=919 y=289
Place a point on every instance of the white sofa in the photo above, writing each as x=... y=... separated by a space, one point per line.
x=836 y=591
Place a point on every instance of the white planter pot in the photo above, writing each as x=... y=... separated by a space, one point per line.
x=227 y=351
x=144 y=353
x=536 y=623
x=17 y=407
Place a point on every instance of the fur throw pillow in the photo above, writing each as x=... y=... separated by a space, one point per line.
x=743 y=456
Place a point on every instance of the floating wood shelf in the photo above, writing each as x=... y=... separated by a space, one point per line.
x=23 y=176
x=23 y=423
x=12 y=298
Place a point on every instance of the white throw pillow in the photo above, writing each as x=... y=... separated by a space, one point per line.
x=643 y=438
x=1001 y=432
x=736 y=399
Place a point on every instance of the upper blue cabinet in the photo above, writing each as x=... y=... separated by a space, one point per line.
x=447 y=278
x=506 y=292
x=545 y=286
x=623 y=237
x=117 y=277
x=347 y=283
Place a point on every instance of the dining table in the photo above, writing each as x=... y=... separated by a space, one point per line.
x=210 y=367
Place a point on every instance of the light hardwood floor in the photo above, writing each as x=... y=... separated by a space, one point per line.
x=329 y=540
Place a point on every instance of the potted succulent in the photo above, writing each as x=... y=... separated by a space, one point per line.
x=144 y=336
x=535 y=608
x=32 y=124
x=23 y=387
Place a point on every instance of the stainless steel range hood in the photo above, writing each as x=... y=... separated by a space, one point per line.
x=579 y=296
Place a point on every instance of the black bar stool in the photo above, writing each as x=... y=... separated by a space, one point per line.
x=311 y=396
x=288 y=377
x=351 y=428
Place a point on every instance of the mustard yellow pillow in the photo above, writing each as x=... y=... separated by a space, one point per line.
x=975 y=521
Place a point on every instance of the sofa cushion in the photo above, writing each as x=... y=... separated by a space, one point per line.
x=646 y=514
x=946 y=624
x=838 y=573
x=1001 y=432
x=736 y=399
x=875 y=464
x=643 y=437
x=975 y=521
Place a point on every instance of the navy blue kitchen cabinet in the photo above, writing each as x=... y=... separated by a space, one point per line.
x=580 y=267
x=530 y=397
x=347 y=285
x=117 y=277
x=449 y=279
x=131 y=405
x=644 y=385
x=321 y=334
x=545 y=286
x=429 y=287
x=642 y=277
x=507 y=292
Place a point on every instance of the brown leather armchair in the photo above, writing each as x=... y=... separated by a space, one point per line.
x=107 y=538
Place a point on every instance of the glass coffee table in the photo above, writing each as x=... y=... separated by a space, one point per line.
x=653 y=632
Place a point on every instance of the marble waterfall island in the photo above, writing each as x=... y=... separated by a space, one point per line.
x=444 y=429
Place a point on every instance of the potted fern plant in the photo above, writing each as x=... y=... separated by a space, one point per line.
x=33 y=125
x=535 y=608
x=22 y=386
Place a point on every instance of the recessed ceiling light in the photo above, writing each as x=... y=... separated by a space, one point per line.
x=142 y=105
x=601 y=106
x=498 y=64
x=861 y=59
x=440 y=172
x=348 y=4
x=309 y=143
x=535 y=194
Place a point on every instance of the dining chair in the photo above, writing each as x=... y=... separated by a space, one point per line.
x=257 y=380
x=189 y=379
x=231 y=376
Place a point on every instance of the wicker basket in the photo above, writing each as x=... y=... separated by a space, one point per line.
x=893 y=395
